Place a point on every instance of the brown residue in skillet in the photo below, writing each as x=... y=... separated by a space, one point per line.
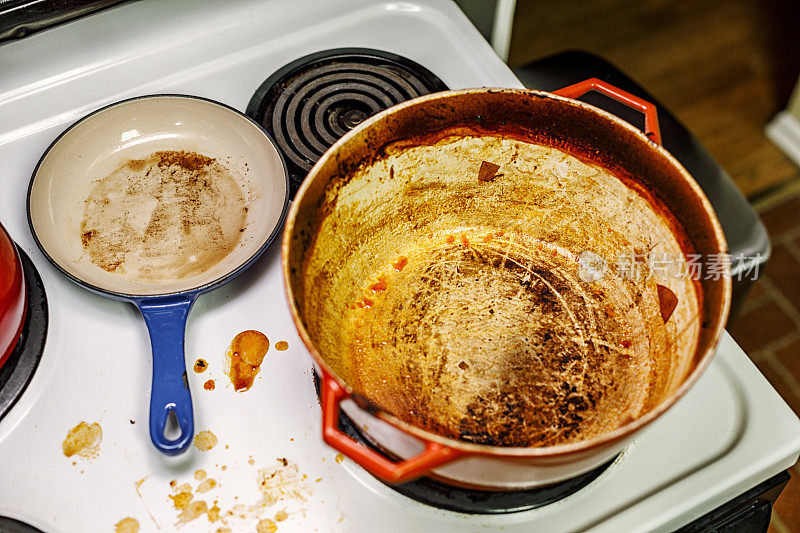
x=87 y=237
x=209 y=385
x=171 y=215
x=136 y=164
x=186 y=160
x=245 y=355
x=281 y=346
x=200 y=366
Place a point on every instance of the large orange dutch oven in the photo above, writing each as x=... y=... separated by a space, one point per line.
x=502 y=287
x=12 y=296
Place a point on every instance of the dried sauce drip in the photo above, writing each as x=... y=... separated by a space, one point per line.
x=169 y=216
x=205 y=440
x=339 y=457
x=200 y=366
x=281 y=482
x=207 y=485
x=127 y=525
x=213 y=513
x=265 y=525
x=400 y=264
x=209 y=385
x=379 y=285
x=245 y=355
x=488 y=171
x=182 y=499
x=83 y=440
x=667 y=300
x=281 y=346
x=192 y=511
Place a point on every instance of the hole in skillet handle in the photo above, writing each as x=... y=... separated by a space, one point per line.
x=651 y=127
x=171 y=416
x=172 y=428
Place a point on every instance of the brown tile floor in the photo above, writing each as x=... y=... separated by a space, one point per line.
x=722 y=67
x=768 y=329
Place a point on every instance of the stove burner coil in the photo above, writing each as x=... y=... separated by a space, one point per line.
x=310 y=103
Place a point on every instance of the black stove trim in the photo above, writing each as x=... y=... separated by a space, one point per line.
x=12 y=525
x=259 y=102
x=19 y=368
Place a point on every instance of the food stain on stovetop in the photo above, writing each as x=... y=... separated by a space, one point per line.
x=205 y=440
x=266 y=525
x=83 y=440
x=281 y=482
x=200 y=366
x=127 y=525
x=244 y=357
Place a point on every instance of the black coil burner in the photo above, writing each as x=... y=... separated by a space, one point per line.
x=310 y=103
x=468 y=501
x=17 y=371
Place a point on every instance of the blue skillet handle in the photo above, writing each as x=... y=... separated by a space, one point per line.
x=166 y=322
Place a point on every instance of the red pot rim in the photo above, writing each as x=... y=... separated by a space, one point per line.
x=13 y=304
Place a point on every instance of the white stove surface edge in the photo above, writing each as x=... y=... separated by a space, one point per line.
x=730 y=432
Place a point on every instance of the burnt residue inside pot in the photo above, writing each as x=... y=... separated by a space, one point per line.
x=495 y=329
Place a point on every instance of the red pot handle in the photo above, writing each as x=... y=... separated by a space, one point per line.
x=434 y=455
x=651 y=128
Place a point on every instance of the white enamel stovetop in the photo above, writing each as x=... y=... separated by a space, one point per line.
x=729 y=433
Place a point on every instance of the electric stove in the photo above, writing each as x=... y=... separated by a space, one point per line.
x=730 y=435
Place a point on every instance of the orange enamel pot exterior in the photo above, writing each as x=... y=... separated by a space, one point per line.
x=551 y=119
x=12 y=296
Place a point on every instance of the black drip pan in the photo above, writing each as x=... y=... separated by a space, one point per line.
x=20 y=366
x=11 y=525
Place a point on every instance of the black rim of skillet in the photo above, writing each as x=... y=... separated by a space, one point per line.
x=261 y=105
x=12 y=525
x=20 y=366
x=469 y=501
x=196 y=290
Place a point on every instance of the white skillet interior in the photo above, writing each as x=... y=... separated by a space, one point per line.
x=134 y=129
